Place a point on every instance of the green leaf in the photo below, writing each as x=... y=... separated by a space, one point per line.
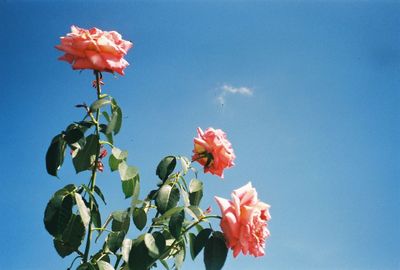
x=195 y=186
x=215 y=252
x=73 y=135
x=116 y=118
x=175 y=224
x=139 y=258
x=55 y=155
x=160 y=241
x=167 y=198
x=83 y=210
x=85 y=125
x=185 y=163
x=106 y=116
x=157 y=247
x=126 y=249
x=89 y=192
x=195 y=192
x=150 y=243
x=67 y=190
x=139 y=218
x=192 y=238
x=199 y=228
x=184 y=195
x=131 y=187
x=113 y=123
x=104 y=265
x=98 y=192
x=114 y=241
x=72 y=237
x=59 y=211
x=194 y=211
x=113 y=163
x=96 y=217
x=127 y=172
x=119 y=154
x=121 y=221
x=109 y=136
x=117 y=110
x=99 y=103
x=166 y=167
x=74 y=233
x=85 y=158
x=200 y=241
x=62 y=248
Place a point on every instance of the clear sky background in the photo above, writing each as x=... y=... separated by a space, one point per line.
x=319 y=137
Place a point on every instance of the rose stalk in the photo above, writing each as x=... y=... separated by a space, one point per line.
x=99 y=51
x=92 y=183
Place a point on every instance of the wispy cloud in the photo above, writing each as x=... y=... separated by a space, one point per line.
x=227 y=89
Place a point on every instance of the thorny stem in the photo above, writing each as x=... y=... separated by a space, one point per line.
x=92 y=183
x=151 y=226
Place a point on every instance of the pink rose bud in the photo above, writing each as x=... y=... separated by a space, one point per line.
x=103 y=153
x=100 y=166
x=95 y=49
x=244 y=221
x=213 y=151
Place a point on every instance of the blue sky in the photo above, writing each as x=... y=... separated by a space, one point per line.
x=319 y=137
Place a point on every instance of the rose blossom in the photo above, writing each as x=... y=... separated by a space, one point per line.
x=213 y=151
x=95 y=49
x=244 y=221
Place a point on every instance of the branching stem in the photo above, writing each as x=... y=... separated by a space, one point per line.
x=92 y=183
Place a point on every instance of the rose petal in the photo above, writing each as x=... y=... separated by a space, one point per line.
x=95 y=49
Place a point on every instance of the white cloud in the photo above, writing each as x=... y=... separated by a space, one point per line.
x=229 y=89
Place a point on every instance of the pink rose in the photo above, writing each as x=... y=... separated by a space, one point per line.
x=95 y=49
x=213 y=151
x=244 y=221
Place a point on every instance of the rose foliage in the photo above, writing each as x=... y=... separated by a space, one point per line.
x=159 y=228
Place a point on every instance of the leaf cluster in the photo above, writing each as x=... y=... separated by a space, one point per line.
x=73 y=212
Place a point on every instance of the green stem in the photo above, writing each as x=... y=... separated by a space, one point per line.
x=152 y=224
x=101 y=229
x=73 y=261
x=104 y=226
x=212 y=216
x=105 y=142
x=92 y=183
